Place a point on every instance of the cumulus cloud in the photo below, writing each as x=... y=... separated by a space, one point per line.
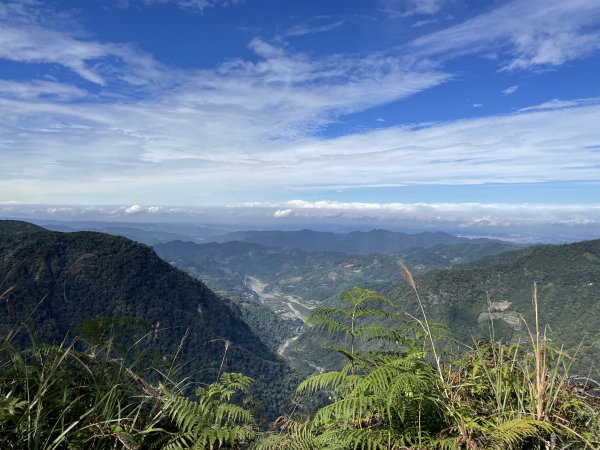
x=134 y=209
x=458 y=216
x=518 y=222
x=281 y=213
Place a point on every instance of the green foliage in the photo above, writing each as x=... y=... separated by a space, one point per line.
x=56 y=281
x=212 y=421
x=490 y=397
x=499 y=288
x=357 y=305
x=56 y=397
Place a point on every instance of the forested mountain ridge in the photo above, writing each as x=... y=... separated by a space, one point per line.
x=17 y=226
x=58 y=280
x=355 y=242
x=499 y=287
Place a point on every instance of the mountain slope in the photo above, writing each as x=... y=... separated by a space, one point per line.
x=500 y=288
x=59 y=280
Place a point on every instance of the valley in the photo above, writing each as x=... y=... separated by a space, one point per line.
x=290 y=281
x=466 y=285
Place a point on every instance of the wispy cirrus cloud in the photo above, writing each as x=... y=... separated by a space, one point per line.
x=526 y=33
x=253 y=125
x=316 y=25
x=192 y=5
x=510 y=90
x=29 y=36
x=36 y=89
x=407 y=8
x=152 y=153
x=562 y=104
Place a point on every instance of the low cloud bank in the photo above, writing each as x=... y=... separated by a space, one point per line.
x=518 y=222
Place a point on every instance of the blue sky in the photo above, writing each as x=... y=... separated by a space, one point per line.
x=303 y=108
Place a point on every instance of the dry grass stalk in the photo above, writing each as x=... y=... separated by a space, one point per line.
x=424 y=323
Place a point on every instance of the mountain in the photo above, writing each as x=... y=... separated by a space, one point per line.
x=356 y=242
x=55 y=281
x=16 y=227
x=146 y=233
x=499 y=288
x=276 y=287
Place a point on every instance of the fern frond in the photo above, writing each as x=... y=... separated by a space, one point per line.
x=512 y=432
x=298 y=436
x=345 y=410
x=325 y=380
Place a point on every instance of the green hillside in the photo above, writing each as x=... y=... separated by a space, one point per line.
x=500 y=288
x=55 y=281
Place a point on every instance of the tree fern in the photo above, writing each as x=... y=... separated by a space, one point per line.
x=212 y=421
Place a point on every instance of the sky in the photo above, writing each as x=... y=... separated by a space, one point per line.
x=481 y=114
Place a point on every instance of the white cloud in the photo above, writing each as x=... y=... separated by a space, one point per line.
x=312 y=27
x=28 y=35
x=531 y=33
x=517 y=222
x=562 y=104
x=36 y=89
x=71 y=153
x=134 y=209
x=281 y=213
x=460 y=215
x=252 y=125
x=193 y=5
x=422 y=23
x=477 y=105
x=407 y=8
x=511 y=90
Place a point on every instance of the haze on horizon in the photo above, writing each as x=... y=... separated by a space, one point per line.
x=474 y=117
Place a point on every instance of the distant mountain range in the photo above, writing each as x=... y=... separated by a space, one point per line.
x=146 y=233
x=356 y=242
x=54 y=281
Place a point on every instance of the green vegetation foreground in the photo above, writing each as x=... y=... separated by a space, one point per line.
x=404 y=395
